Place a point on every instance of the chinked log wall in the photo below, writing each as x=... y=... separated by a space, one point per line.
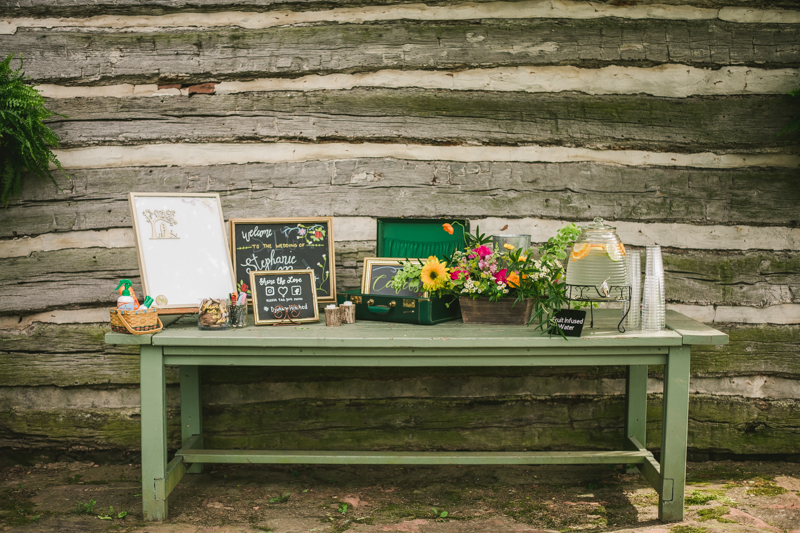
x=659 y=116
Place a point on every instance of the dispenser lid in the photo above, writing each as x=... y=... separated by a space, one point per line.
x=598 y=224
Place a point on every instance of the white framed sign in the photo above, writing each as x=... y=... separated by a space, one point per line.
x=182 y=248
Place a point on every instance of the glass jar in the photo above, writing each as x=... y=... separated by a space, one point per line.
x=515 y=241
x=598 y=256
x=213 y=314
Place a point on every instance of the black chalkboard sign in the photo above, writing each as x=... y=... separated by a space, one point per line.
x=284 y=244
x=284 y=296
x=378 y=272
x=571 y=322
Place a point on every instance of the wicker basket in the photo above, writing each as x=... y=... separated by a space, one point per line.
x=135 y=322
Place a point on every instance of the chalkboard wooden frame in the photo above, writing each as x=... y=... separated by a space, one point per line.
x=276 y=273
x=331 y=257
x=366 y=275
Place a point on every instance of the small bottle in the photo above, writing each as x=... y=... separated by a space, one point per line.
x=125 y=302
x=148 y=301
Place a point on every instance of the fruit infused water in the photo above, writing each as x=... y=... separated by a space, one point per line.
x=597 y=256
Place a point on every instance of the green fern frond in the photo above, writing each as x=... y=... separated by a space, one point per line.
x=792 y=129
x=26 y=143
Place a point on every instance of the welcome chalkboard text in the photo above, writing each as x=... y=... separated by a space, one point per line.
x=285 y=244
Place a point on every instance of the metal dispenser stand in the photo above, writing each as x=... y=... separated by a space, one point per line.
x=592 y=294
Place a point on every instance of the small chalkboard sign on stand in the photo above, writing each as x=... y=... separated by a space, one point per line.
x=284 y=296
x=260 y=244
x=571 y=321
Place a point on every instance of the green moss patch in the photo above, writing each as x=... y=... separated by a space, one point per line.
x=715 y=513
x=701 y=497
x=688 y=529
x=766 y=489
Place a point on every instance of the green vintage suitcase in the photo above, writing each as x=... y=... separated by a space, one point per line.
x=411 y=238
x=383 y=308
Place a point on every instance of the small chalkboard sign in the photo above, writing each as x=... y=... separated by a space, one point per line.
x=571 y=322
x=285 y=244
x=378 y=272
x=284 y=296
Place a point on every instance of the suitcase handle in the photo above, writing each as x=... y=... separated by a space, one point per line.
x=380 y=309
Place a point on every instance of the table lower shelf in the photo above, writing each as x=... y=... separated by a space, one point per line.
x=413 y=458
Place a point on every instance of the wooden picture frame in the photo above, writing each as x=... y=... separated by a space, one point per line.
x=371 y=267
x=182 y=249
x=251 y=238
x=272 y=301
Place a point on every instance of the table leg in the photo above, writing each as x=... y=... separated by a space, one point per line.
x=635 y=408
x=191 y=410
x=675 y=422
x=153 y=390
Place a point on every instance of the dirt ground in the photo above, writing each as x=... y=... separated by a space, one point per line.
x=85 y=497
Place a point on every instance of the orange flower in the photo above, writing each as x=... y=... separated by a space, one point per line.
x=448 y=228
x=513 y=280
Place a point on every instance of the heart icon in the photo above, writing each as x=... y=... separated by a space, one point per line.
x=283 y=290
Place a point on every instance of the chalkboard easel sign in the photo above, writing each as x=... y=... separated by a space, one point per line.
x=284 y=296
x=259 y=244
x=378 y=272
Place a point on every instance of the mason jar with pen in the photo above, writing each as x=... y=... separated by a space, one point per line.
x=238 y=310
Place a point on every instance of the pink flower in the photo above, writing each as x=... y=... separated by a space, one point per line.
x=500 y=277
x=483 y=251
x=455 y=273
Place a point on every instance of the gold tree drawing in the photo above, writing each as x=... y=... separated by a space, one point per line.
x=158 y=220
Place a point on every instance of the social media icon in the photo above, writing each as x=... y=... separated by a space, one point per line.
x=270 y=291
x=296 y=290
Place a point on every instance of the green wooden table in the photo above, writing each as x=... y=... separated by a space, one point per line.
x=375 y=344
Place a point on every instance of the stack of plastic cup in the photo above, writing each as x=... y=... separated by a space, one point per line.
x=653 y=298
x=634 y=318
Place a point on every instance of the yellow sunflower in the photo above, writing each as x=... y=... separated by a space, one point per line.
x=434 y=274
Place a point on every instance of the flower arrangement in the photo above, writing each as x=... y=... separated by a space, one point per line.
x=478 y=271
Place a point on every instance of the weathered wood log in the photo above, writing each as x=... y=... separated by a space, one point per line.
x=75 y=278
x=502 y=407
x=717 y=124
x=727 y=425
x=86 y=8
x=767 y=350
x=74 y=355
x=97 y=198
x=66 y=56
x=71 y=355
x=80 y=277
x=735 y=278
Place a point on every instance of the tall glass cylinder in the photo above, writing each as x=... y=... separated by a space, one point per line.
x=654 y=296
x=634 y=318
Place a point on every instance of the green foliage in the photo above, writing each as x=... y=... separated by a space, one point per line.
x=110 y=515
x=793 y=127
x=408 y=277
x=25 y=142
x=439 y=515
x=85 y=508
x=343 y=508
x=280 y=499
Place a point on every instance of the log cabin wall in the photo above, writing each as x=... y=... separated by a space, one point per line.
x=660 y=116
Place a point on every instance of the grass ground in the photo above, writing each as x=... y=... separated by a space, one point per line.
x=84 y=497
